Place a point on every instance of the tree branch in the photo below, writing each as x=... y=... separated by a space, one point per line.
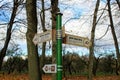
x=103 y=34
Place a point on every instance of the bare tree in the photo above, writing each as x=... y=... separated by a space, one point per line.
x=114 y=36
x=91 y=55
x=16 y=3
x=42 y=17
x=33 y=58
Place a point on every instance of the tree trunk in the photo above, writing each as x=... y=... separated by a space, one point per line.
x=114 y=35
x=55 y=9
x=33 y=58
x=116 y=67
x=42 y=17
x=91 y=56
x=95 y=65
x=64 y=65
x=9 y=32
x=118 y=2
x=69 y=67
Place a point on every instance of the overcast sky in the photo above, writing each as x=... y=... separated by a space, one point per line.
x=78 y=13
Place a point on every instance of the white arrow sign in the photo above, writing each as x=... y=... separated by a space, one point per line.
x=42 y=37
x=49 y=68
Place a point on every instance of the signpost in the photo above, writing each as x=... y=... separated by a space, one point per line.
x=45 y=36
x=76 y=40
x=42 y=37
x=49 y=68
x=59 y=45
x=67 y=39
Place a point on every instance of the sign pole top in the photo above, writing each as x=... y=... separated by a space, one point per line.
x=59 y=13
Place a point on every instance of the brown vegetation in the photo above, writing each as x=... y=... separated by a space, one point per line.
x=46 y=77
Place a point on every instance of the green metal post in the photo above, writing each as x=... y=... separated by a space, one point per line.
x=59 y=45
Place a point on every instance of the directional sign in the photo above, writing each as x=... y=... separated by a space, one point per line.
x=76 y=40
x=42 y=37
x=49 y=68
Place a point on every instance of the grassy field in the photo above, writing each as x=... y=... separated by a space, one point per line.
x=48 y=77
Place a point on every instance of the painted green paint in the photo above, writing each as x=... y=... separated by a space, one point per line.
x=59 y=45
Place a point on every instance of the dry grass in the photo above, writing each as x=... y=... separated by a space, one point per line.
x=25 y=77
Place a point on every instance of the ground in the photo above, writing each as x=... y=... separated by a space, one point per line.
x=25 y=77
